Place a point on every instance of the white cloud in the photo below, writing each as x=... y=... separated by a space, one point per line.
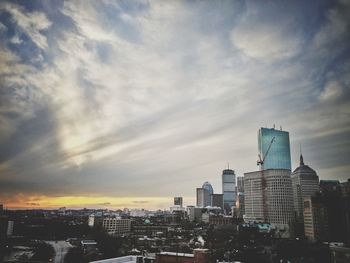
x=266 y=42
x=3 y=28
x=332 y=91
x=31 y=23
x=335 y=28
x=16 y=40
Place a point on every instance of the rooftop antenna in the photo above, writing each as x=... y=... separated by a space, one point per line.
x=281 y=128
x=228 y=165
x=274 y=125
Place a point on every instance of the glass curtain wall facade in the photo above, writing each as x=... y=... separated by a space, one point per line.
x=279 y=153
x=229 y=189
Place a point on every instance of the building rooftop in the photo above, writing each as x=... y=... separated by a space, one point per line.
x=175 y=254
x=304 y=169
x=126 y=259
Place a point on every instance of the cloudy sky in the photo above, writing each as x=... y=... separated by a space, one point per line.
x=129 y=103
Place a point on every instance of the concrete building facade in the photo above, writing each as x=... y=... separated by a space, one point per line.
x=117 y=226
x=278 y=195
x=204 y=195
x=305 y=183
x=194 y=213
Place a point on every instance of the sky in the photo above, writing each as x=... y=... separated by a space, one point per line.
x=112 y=104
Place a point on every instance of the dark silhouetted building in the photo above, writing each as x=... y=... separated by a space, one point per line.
x=329 y=185
x=315 y=219
x=337 y=204
x=217 y=200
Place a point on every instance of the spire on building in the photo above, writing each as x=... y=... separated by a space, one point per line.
x=301 y=156
x=301 y=160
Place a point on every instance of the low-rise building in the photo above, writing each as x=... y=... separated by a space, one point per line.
x=340 y=254
x=117 y=226
x=150 y=230
x=126 y=259
x=198 y=256
x=194 y=213
x=217 y=219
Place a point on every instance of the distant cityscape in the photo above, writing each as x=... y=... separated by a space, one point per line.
x=253 y=219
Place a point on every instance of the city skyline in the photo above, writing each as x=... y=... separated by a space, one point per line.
x=130 y=103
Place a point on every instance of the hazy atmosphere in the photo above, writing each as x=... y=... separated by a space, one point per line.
x=128 y=103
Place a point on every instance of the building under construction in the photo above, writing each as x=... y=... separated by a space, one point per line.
x=268 y=192
x=279 y=209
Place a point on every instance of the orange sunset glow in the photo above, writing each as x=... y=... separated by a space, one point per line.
x=76 y=202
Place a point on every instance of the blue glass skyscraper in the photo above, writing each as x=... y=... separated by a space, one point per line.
x=278 y=156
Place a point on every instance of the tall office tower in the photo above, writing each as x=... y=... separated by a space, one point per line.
x=229 y=189
x=278 y=196
x=207 y=194
x=178 y=201
x=305 y=183
x=201 y=193
x=217 y=200
x=240 y=184
x=239 y=210
x=278 y=156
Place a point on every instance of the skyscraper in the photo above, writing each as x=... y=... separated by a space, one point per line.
x=305 y=183
x=239 y=211
x=240 y=184
x=278 y=193
x=217 y=200
x=279 y=154
x=208 y=187
x=207 y=194
x=178 y=201
x=229 y=189
x=203 y=197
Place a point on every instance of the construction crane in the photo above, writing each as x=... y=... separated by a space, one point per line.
x=260 y=163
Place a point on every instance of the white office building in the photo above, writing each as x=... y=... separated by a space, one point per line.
x=278 y=208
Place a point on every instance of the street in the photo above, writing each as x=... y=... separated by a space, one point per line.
x=61 y=248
